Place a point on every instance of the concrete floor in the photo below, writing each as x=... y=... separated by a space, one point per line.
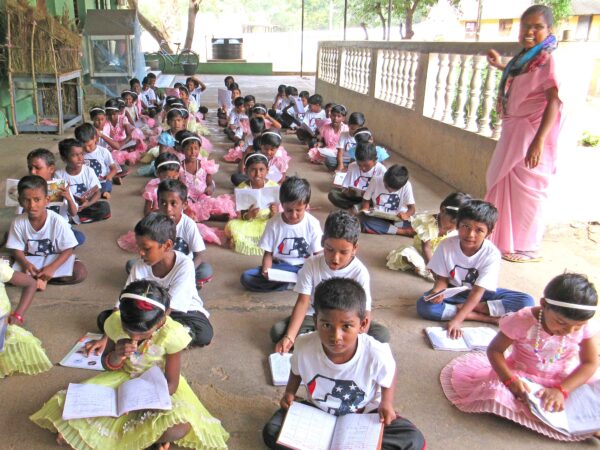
x=231 y=376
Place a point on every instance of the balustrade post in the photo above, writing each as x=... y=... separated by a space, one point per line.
x=394 y=95
x=400 y=81
x=406 y=79
x=475 y=92
x=440 y=85
x=373 y=69
x=488 y=101
x=450 y=88
x=463 y=87
x=414 y=62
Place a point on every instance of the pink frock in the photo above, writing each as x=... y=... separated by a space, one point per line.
x=118 y=132
x=278 y=165
x=473 y=386
x=519 y=193
x=200 y=205
x=331 y=139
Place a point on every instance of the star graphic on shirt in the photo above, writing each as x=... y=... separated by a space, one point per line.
x=95 y=164
x=353 y=387
x=339 y=389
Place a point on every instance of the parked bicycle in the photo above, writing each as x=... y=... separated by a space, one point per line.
x=179 y=58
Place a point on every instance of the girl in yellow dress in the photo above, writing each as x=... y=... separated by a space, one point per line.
x=431 y=229
x=23 y=352
x=141 y=335
x=245 y=231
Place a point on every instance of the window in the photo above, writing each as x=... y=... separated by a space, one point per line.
x=505 y=27
x=470 y=29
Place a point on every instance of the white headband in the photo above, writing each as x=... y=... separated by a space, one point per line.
x=192 y=138
x=260 y=107
x=363 y=132
x=164 y=163
x=143 y=299
x=273 y=133
x=97 y=108
x=452 y=208
x=570 y=305
x=112 y=108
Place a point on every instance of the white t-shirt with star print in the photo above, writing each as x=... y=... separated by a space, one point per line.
x=99 y=160
x=82 y=182
x=188 y=240
x=394 y=202
x=339 y=389
x=53 y=238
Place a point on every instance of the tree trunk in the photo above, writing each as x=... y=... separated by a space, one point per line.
x=379 y=12
x=364 y=27
x=410 y=12
x=161 y=36
x=193 y=8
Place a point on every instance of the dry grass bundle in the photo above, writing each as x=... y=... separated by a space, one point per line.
x=67 y=42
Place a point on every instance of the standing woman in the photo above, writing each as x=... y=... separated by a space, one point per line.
x=524 y=160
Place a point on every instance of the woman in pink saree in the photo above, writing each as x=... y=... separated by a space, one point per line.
x=524 y=160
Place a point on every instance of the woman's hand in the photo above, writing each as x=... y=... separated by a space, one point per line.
x=534 y=153
x=553 y=399
x=494 y=59
x=519 y=389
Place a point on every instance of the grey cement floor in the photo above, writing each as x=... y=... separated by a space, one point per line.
x=231 y=375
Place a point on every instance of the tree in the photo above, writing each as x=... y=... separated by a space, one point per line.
x=193 y=8
x=560 y=8
x=161 y=35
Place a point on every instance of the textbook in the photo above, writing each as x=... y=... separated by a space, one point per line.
x=149 y=391
x=281 y=366
x=581 y=414
x=448 y=292
x=308 y=428
x=382 y=215
x=473 y=338
x=78 y=357
x=65 y=270
x=259 y=198
x=282 y=275
x=3 y=329
x=338 y=180
x=54 y=187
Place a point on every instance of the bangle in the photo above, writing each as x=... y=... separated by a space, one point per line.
x=285 y=336
x=510 y=381
x=562 y=390
x=18 y=317
x=110 y=366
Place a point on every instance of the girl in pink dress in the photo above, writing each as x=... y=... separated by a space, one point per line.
x=330 y=136
x=126 y=141
x=524 y=160
x=552 y=345
x=196 y=173
x=270 y=145
x=167 y=167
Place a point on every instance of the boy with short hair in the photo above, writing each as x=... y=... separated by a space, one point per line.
x=345 y=370
x=358 y=177
x=42 y=232
x=338 y=260
x=312 y=120
x=469 y=259
x=172 y=200
x=288 y=240
x=391 y=194
x=97 y=157
x=238 y=125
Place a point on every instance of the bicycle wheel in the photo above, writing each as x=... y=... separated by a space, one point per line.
x=188 y=57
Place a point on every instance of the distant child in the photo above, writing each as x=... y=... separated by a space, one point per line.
x=40 y=232
x=242 y=146
x=129 y=138
x=390 y=194
x=172 y=200
x=552 y=344
x=177 y=120
x=357 y=179
x=142 y=334
x=195 y=87
x=312 y=120
x=260 y=111
x=338 y=260
x=238 y=126
x=280 y=100
x=430 y=229
x=289 y=116
x=249 y=102
x=288 y=240
x=471 y=260
x=97 y=158
x=167 y=168
x=363 y=136
x=326 y=150
x=356 y=121
x=245 y=231
x=83 y=183
x=196 y=173
x=148 y=96
x=41 y=162
x=340 y=356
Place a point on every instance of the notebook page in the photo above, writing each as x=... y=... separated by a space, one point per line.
x=269 y=194
x=338 y=180
x=307 y=428
x=478 y=337
x=245 y=198
x=357 y=432
x=440 y=340
x=583 y=409
x=149 y=391
x=280 y=368
x=282 y=275
x=65 y=270
x=557 y=420
x=78 y=358
x=89 y=400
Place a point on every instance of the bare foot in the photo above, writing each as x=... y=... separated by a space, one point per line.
x=60 y=440
x=481 y=313
x=41 y=285
x=164 y=446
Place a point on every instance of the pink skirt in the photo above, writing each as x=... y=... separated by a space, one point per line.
x=315 y=156
x=201 y=208
x=473 y=386
x=234 y=155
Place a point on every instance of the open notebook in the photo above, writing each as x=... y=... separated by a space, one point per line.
x=282 y=275
x=259 y=198
x=581 y=414
x=309 y=428
x=149 y=391
x=65 y=270
x=473 y=338
x=281 y=366
x=78 y=357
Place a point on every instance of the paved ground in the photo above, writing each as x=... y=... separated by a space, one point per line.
x=231 y=375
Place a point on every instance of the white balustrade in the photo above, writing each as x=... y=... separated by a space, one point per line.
x=356 y=69
x=475 y=93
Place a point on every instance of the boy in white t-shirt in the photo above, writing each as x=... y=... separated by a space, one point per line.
x=358 y=177
x=238 y=124
x=345 y=370
x=40 y=232
x=288 y=240
x=338 y=260
x=390 y=194
x=97 y=157
x=172 y=200
x=469 y=259
x=311 y=121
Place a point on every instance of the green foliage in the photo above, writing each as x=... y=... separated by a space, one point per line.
x=560 y=8
x=590 y=140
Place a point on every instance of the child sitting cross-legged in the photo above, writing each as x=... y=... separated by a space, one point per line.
x=471 y=260
x=338 y=260
x=358 y=177
x=288 y=240
x=390 y=194
x=42 y=232
x=141 y=334
x=552 y=345
x=340 y=354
